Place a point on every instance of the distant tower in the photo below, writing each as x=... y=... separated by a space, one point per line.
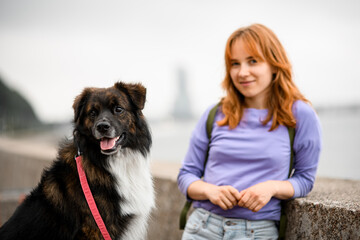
x=182 y=107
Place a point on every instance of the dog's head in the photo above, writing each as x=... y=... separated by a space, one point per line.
x=110 y=116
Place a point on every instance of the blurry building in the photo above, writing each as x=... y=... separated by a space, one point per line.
x=182 y=106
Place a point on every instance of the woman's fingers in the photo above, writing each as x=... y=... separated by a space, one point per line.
x=254 y=205
x=244 y=198
x=226 y=203
x=231 y=195
x=224 y=196
x=255 y=197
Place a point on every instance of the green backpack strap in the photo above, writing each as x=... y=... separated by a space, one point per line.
x=183 y=214
x=292 y=137
x=283 y=218
x=209 y=126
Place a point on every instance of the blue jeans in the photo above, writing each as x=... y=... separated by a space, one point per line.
x=203 y=225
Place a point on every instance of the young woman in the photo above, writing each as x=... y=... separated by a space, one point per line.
x=246 y=174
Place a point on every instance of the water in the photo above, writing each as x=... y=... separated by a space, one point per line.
x=340 y=157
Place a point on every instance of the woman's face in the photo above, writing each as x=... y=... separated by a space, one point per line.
x=250 y=76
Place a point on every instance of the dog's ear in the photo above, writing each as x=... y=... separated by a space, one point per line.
x=137 y=92
x=80 y=102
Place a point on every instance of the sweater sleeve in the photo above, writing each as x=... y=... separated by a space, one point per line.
x=193 y=164
x=307 y=146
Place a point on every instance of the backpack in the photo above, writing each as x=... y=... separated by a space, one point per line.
x=209 y=126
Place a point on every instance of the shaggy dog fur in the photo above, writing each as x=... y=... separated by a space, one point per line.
x=112 y=135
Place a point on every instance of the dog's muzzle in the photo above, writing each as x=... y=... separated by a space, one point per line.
x=110 y=142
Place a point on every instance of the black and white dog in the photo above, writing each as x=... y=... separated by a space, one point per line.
x=113 y=137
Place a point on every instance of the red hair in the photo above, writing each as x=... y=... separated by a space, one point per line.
x=283 y=91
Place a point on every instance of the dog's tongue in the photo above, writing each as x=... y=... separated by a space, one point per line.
x=107 y=143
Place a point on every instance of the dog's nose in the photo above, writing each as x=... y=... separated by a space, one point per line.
x=103 y=127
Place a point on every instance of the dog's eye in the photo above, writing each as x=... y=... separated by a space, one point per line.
x=118 y=109
x=92 y=114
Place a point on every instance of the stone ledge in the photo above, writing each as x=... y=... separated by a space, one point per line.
x=331 y=211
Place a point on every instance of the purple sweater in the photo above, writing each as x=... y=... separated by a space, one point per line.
x=250 y=154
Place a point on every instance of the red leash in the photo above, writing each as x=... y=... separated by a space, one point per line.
x=90 y=199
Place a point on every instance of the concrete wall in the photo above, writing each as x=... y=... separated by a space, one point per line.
x=331 y=211
x=18 y=175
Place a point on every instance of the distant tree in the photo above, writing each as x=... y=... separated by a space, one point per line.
x=15 y=111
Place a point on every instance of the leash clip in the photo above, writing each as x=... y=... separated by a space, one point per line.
x=78 y=154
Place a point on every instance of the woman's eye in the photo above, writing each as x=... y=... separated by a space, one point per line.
x=118 y=109
x=235 y=64
x=253 y=61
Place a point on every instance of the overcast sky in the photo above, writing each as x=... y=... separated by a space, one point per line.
x=50 y=50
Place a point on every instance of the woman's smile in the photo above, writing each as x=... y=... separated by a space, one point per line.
x=247 y=83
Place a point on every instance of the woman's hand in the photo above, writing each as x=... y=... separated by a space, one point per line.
x=256 y=197
x=225 y=197
x=253 y=198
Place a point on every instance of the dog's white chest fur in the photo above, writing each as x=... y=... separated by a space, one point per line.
x=135 y=186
